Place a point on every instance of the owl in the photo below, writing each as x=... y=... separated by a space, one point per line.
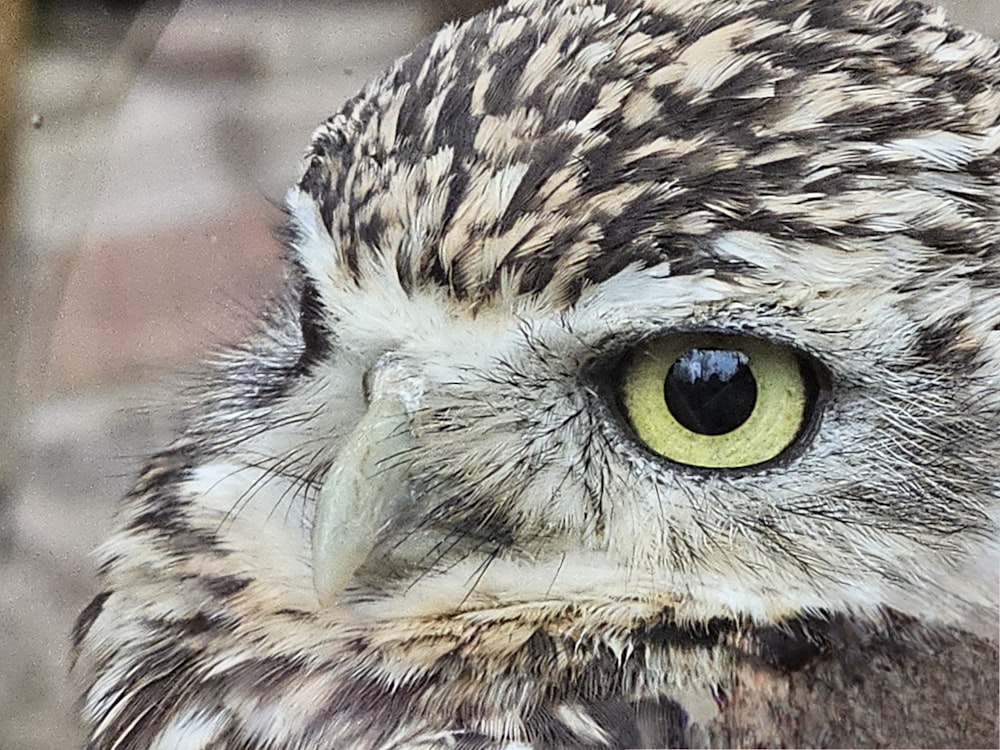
x=635 y=382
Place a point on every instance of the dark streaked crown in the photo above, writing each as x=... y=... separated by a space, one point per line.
x=547 y=145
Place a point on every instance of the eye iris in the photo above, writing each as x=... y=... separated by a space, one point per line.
x=717 y=401
x=711 y=391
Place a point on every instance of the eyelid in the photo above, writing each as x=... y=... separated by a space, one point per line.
x=616 y=344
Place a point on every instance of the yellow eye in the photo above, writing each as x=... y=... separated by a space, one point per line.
x=717 y=401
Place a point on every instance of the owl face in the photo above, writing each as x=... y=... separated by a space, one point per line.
x=600 y=317
x=607 y=198
x=548 y=472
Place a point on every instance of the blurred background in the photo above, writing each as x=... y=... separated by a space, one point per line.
x=144 y=148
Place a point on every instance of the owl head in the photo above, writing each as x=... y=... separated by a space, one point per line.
x=599 y=316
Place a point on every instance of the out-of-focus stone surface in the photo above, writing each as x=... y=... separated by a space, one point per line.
x=168 y=295
x=81 y=454
x=146 y=202
x=977 y=15
x=173 y=197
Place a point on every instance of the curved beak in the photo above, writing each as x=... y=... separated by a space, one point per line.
x=362 y=492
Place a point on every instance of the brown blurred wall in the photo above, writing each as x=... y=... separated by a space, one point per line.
x=13 y=24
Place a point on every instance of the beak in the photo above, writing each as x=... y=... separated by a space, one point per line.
x=364 y=489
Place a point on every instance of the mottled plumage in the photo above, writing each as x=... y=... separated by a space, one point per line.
x=478 y=241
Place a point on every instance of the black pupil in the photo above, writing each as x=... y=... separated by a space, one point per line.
x=710 y=391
